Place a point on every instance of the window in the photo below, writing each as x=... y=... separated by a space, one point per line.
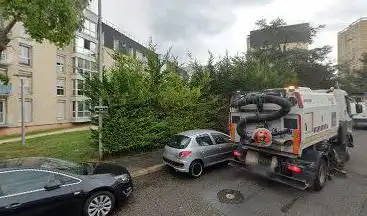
x=15 y=182
x=25 y=55
x=27 y=111
x=85 y=46
x=60 y=87
x=204 y=140
x=90 y=28
x=116 y=45
x=61 y=110
x=78 y=87
x=179 y=142
x=27 y=85
x=2 y=112
x=4 y=56
x=84 y=67
x=236 y=119
x=60 y=62
x=81 y=109
x=66 y=180
x=221 y=138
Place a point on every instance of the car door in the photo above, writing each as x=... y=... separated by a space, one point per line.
x=29 y=195
x=208 y=150
x=225 y=146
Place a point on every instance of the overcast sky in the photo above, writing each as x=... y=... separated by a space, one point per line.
x=219 y=25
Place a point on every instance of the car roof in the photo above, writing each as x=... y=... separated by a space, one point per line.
x=33 y=163
x=196 y=132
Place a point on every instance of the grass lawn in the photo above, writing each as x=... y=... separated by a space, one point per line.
x=73 y=146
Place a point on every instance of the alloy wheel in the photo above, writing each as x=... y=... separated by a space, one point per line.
x=100 y=206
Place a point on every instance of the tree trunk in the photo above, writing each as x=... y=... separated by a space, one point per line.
x=4 y=31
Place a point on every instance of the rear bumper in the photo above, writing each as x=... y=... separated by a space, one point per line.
x=180 y=166
x=298 y=183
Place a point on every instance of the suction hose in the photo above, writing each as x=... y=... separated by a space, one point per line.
x=260 y=99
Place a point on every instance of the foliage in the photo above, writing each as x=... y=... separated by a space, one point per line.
x=4 y=78
x=147 y=105
x=54 y=20
x=354 y=81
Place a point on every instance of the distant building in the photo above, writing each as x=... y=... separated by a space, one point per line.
x=352 y=43
x=291 y=36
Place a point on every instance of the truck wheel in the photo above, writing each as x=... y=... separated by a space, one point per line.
x=321 y=175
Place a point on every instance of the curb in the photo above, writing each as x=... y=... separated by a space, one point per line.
x=148 y=170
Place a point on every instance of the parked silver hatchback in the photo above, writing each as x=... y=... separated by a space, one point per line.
x=192 y=151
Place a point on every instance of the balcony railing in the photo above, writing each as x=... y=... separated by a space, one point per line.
x=5 y=89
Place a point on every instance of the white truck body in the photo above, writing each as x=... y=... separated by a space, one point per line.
x=316 y=115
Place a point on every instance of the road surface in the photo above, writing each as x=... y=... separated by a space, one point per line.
x=169 y=193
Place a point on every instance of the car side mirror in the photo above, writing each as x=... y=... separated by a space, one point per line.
x=359 y=108
x=52 y=185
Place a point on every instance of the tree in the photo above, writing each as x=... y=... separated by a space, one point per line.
x=312 y=66
x=354 y=81
x=53 y=20
x=147 y=104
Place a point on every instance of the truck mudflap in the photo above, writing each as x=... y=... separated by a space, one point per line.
x=278 y=177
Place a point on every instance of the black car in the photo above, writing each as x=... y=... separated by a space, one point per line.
x=48 y=186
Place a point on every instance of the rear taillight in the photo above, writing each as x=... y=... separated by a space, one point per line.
x=294 y=168
x=236 y=153
x=184 y=154
x=299 y=99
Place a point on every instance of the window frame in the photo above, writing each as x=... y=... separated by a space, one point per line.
x=27 y=58
x=59 y=64
x=228 y=138
x=25 y=110
x=41 y=189
x=203 y=135
x=3 y=112
x=63 y=117
x=60 y=87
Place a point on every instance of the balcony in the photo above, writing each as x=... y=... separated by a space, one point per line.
x=5 y=90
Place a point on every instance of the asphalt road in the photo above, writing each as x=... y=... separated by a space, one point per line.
x=169 y=193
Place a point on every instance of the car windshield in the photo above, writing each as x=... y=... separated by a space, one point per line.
x=179 y=141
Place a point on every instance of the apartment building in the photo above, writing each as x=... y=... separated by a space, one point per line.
x=290 y=37
x=352 y=43
x=54 y=77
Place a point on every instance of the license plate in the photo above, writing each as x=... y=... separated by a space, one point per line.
x=263 y=160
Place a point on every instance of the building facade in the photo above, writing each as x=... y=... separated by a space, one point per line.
x=290 y=37
x=54 y=77
x=352 y=43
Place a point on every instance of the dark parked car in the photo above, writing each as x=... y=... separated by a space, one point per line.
x=48 y=186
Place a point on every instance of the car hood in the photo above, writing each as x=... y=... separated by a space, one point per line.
x=106 y=168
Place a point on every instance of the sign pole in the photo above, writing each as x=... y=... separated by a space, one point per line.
x=22 y=110
x=100 y=70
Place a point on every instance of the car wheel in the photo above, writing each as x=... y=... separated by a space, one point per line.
x=99 y=204
x=196 y=169
x=321 y=176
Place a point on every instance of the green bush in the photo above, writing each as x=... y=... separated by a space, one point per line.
x=147 y=105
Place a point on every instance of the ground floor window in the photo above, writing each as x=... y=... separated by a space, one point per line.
x=27 y=111
x=81 y=109
x=2 y=112
x=61 y=110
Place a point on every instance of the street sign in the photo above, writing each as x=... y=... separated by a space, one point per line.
x=101 y=109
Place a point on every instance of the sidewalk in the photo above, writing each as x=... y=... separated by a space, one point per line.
x=142 y=163
x=61 y=131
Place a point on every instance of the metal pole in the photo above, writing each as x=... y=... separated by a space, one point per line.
x=22 y=110
x=100 y=70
